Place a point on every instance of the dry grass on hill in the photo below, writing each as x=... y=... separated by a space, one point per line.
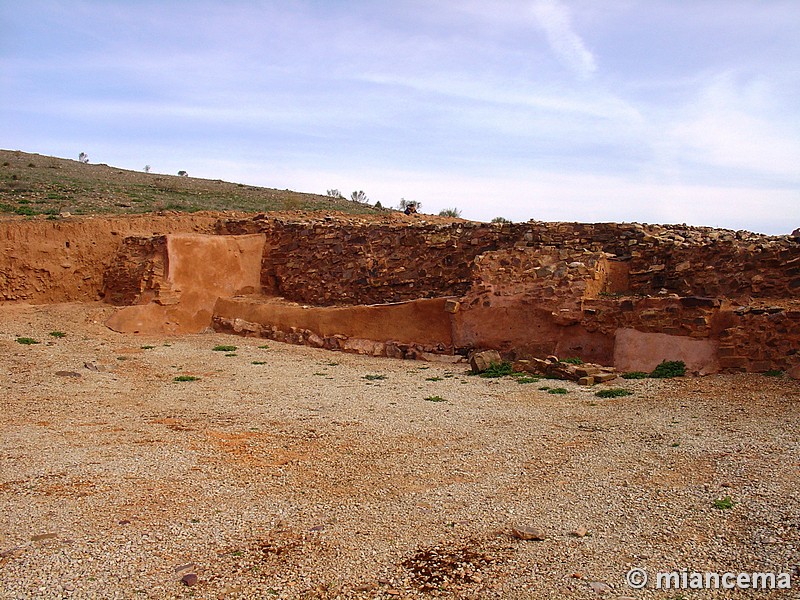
x=32 y=184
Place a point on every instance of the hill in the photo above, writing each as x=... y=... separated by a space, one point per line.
x=32 y=184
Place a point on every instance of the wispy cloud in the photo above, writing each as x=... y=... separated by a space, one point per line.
x=556 y=21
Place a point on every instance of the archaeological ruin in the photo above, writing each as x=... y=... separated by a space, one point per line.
x=419 y=287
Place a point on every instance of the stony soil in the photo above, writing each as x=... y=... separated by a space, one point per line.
x=290 y=472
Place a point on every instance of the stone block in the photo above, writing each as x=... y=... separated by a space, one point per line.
x=482 y=360
x=586 y=380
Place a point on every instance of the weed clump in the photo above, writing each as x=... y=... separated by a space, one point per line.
x=58 y=334
x=613 y=393
x=725 y=503
x=186 y=378
x=572 y=361
x=558 y=391
x=635 y=375
x=224 y=348
x=435 y=399
x=498 y=370
x=26 y=341
x=669 y=368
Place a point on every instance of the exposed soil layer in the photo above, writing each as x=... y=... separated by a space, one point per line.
x=292 y=472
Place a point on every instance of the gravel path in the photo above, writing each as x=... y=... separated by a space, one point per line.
x=289 y=472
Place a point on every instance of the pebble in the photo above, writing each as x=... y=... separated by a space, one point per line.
x=523 y=532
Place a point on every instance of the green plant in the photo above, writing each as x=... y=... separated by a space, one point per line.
x=635 y=375
x=527 y=379
x=773 y=373
x=500 y=220
x=25 y=211
x=612 y=393
x=435 y=399
x=450 y=212
x=58 y=334
x=258 y=362
x=374 y=377
x=558 y=391
x=544 y=388
x=572 y=361
x=498 y=370
x=669 y=368
x=224 y=348
x=147 y=347
x=725 y=503
x=26 y=341
x=186 y=378
x=264 y=347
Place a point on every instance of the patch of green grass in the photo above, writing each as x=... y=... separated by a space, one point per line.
x=258 y=362
x=498 y=370
x=558 y=391
x=527 y=379
x=669 y=368
x=635 y=375
x=435 y=399
x=725 y=503
x=26 y=341
x=544 y=388
x=25 y=211
x=231 y=354
x=773 y=373
x=224 y=348
x=374 y=377
x=572 y=361
x=147 y=347
x=613 y=393
x=58 y=334
x=186 y=378
x=434 y=378
x=264 y=347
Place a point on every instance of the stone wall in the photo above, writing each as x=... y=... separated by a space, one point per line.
x=349 y=260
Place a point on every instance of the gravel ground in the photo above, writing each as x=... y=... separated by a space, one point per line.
x=289 y=472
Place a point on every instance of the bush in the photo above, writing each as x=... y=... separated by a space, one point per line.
x=558 y=391
x=359 y=197
x=26 y=341
x=613 y=393
x=450 y=212
x=773 y=373
x=224 y=348
x=635 y=375
x=669 y=368
x=500 y=220
x=186 y=378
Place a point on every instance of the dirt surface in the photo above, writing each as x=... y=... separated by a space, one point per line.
x=290 y=472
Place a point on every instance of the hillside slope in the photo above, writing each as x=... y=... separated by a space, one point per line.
x=32 y=184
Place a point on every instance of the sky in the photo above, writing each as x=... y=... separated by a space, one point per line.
x=674 y=111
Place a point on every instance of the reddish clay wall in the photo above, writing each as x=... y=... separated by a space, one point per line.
x=200 y=269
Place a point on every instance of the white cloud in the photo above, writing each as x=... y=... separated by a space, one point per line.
x=555 y=19
x=732 y=125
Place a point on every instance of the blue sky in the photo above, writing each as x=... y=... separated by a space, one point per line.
x=621 y=110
